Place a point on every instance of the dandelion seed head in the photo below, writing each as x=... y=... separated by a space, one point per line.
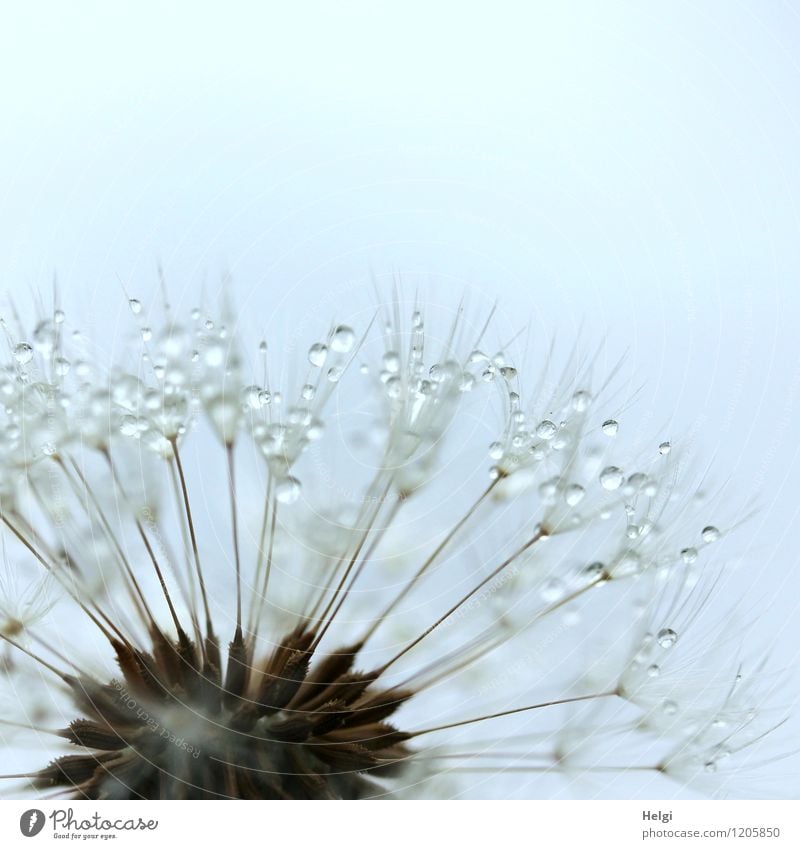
x=249 y=628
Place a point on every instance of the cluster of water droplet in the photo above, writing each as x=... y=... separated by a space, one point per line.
x=283 y=432
x=421 y=401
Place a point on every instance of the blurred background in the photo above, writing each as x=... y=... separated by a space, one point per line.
x=615 y=172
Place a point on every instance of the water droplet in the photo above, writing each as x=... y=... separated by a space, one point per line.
x=546 y=429
x=508 y=372
x=49 y=449
x=654 y=670
x=637 y=480
x=664 y=448
x=287 y=490
x=667 y=638
x=317 y=354
x=488 y=375
x=335 y=373
x=548 y=490
x=23 y=353
x=496 y=450
x=595 y=570
x=611 y=478
x=59 y=317
x=581 y=400
x=136 y=306
x=689 y=555
x=62 y=366
x=610 y=427
x=262 y=346
x=391 y=362
x=477 y=357
x=264 y=398
x=342 y=339
x=669 y=707
x=573 y=494
x=710 y=766
x=552 y=590
x=710 y=534
x=251 y=397
x=308 y=392
x=147 y=334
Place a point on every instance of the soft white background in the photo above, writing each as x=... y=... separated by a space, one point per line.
x=622 y=171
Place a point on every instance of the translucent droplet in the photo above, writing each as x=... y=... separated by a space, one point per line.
x=610 y=427
x=669 y=707
x=251 y=397
x=147 y=334
x=611 y=478
x=342 y=339
x=637 y=480
x=710 y=534
x=308 y=392
x=552 y=590
x=287 y=490
x=664 y=448
x=136 y=306
x=496 y=450
x=548 y=490
x=23 y=353
x=573 y=494
x=132 y=426
x=508 y=372
x=488 y=375
x=710 y=766
x=59 y=317
x=264 y=398
x=667 y=638
x=49 y=449
x=62 y=366
x=546 y=429
x=317 y=354
x=654 y=670
x=391 y=362
x=262 y=346
x=335 y=373
x=44 y=337
x=595 y=570
x=689 y=555
x=581 y=400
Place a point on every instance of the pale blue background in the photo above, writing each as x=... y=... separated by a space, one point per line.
x=631 y=169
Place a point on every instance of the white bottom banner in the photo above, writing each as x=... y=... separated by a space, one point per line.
x=594 y=824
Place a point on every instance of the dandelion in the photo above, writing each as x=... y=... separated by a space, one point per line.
x=374 y=582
